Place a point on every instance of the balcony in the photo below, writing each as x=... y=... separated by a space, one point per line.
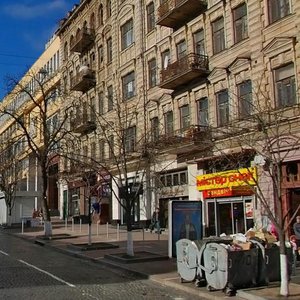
x=84 y=80
x=196 y=137
x=176 y=13
x=83 y=40
x=184 y=70
x=83 y=125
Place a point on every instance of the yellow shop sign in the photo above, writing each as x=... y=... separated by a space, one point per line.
x=241 y=177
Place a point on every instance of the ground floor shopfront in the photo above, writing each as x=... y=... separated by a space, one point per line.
x=228 y=215
x=227 y=201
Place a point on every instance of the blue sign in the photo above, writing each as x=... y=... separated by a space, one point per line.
x=186 y=218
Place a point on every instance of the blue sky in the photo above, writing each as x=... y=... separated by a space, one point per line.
x=26 y=25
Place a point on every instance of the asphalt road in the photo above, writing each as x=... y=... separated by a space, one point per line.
x=30 y=271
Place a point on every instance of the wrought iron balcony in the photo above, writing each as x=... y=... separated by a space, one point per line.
x=82 y=40
x=83 y=81
x=184 y=70
x=176 y=13
x=83 y=125
x=184 y=140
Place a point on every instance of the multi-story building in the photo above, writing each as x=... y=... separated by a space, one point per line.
x=193 y=71
x=18 y=163
x=191 y=76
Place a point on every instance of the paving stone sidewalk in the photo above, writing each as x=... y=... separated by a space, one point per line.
x=151 y=252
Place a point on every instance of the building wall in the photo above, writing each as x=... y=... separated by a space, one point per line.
x=267 y=47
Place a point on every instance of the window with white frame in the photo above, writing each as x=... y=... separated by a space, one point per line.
x=111 y=150
x=101 y=103
x=184 y=117
x=150 y=17
x=218 y=34
x=130 y=139
x=152 y=72
x=102 y=150
x=127 y=34
x=240 y=23
x=278 y=9
x=165 y=59
x=110 y=98
x=285 y=85
x=199 y=46
x=174 y=179
x=244 y=91
x=109 y=50
x=222 y=108
x=154 y=129
x=169 y=123
x=128 y=85
x=181 y=49
x=203 y=111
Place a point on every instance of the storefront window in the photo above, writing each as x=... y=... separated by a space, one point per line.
x=229 y=216
x=175 y=179
x=183 y=179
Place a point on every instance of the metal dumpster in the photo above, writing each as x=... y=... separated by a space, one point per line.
x=229 y=270
x=190 y=258
x=269 y=263
x=187 y=258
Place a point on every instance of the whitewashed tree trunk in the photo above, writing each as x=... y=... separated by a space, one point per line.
x=130 y=243
x=284 y=286
x=47 y=228
x=90 y=234
x=9 y=220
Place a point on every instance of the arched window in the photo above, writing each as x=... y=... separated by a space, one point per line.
x=100 y=15
x=65 y=51
x=77 y=33
x=71 y=40
x=92 y=21
x=108 y=8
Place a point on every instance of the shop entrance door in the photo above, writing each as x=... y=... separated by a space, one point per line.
x=229 y=217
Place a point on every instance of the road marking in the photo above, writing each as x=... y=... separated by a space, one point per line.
x=47 y=273
x=4 y=253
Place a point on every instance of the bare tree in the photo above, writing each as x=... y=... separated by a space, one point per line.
x=9 y=172
x=267 y=136
x=124 y=159
x=33 y=104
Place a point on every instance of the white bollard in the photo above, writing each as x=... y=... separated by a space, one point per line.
x=118 y=232
x=22 y=226
x=107 y=230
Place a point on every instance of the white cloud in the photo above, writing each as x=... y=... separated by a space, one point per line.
x=30 y=11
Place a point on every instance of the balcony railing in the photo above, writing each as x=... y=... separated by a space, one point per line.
x=82 y=40
x=176 y=13
x=83 y=125
x=184 y=70
x=83 y=81
x=182 y=140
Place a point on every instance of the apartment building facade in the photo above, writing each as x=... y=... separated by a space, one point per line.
x=194 y=71
x=19 y=166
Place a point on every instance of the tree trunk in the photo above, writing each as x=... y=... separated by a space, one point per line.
x=130 y=251
x=284 y=285
x=46 y=213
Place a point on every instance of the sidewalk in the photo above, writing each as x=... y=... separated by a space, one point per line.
x=151 y=257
